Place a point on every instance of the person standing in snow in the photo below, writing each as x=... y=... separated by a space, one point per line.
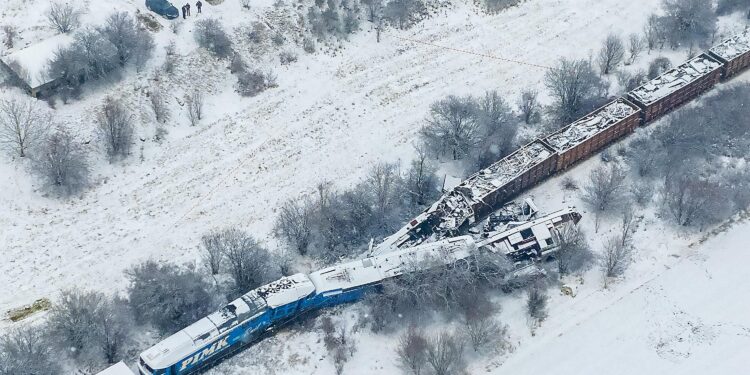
x=188 y=9
x=199 y=5
x=184 y=10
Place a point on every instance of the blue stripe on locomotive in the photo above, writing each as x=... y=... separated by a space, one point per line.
x=249 y=330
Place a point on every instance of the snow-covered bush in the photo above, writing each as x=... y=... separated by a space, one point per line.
x=115 y=128
x=27 y=350
x=24 y=123
x=169 y=297
x=536 y=303
x=210 y=34
x=61 y=162
x=688 y=22
x=251 y=83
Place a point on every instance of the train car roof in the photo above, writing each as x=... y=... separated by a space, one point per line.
x=592 y=124
x=286 y=290
x=118 y=368
x=733 y=47
x=675 y=79
x=371 y=270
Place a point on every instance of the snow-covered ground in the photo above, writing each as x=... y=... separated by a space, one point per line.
x=330 y=119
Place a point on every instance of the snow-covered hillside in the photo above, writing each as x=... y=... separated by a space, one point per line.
x=329 y=119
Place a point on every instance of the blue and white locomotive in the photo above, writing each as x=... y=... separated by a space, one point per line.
x=245 y=319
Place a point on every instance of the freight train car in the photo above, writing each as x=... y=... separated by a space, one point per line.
x=590 y=134
x=734 y=53
x=487 y=190
x=675 y=87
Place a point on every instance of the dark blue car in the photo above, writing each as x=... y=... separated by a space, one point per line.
x=163 y=8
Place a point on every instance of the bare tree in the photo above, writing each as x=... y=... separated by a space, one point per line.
x=249 y=262
x=115 y=128
x=213 y=250
x=728 y=6
x=72 y=318
x=10 y=33
x=294 y=224
x=445 y=353
x=627 y=224
x=635 y=46
x=536 y=304
x=113 y=329
x=194 y=106
x=687 y=197
x=452 y=127
x=611 y=54
x=573 y=253
x=169 y=297
x=653 y=33
x=170 y=61
x=374 y=9
x=27 y=350
x=412 y=350
x=689 y=22
x=23 y=124
x=615 y=258
x=384 y=180
x=421 y=181
x=63 y=17
x=131 y=43
x=642 y=192
x=529 y=106
x=159 y=105
x=485 y=332
x=61 y=162
x=605 y=190
x=575 y=88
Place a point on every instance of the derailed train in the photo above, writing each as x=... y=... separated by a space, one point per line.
x=485 y=191
x=244 y=320
x=259 y=311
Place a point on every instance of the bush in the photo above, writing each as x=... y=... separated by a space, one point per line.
x=658 y=67
x=729 y=6
x=412 y=350
x=210 y=34
x=287 y=57
x=688 y=22
x=251 y=83
x=169 y=297
x=61 y=163
x=27 y=350
x=536 y=304
x=115 y=128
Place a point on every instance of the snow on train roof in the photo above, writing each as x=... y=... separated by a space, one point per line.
x=675 y=79
x=371 y=270
x=590 y=125
x=457 y=204
x=286 y=290
x=506 y=169
x=734 y=46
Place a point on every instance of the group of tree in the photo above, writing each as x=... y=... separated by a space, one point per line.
x=333 y=17
x=89 y=330
x=99 y=52
x=236 y=253
x=683 y=23
x=696 y=159
x=332 y=223
x=478 y=131
x=28 y=131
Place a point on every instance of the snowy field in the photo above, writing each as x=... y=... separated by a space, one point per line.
x=330 y=119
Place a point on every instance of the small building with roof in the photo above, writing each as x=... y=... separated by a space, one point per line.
x=28 y=66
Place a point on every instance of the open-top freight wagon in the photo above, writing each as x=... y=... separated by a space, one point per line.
x=490 y=188
x=734 y=53
x=677 y=86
